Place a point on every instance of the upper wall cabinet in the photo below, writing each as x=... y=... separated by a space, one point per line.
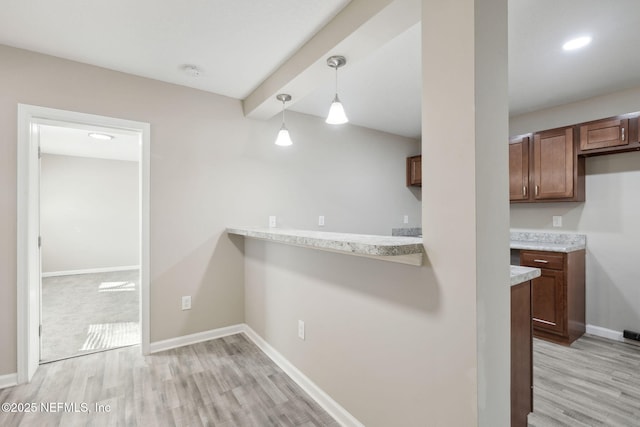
x=414 y=171
x=612 y=135
x=558 y=173
x=519 y=168
x=546 y=168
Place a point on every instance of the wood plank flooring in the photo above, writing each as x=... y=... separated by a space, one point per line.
x=226 y=382
x=595 y=382
x=229 y=382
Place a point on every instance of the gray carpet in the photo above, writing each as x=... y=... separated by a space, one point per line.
x=85 y=313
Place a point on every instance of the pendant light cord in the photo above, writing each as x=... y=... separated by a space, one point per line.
x=283 y=101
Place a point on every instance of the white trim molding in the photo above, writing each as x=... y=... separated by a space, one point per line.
x=340 y=414
x=605 y=333
x=212 y=334
x=8 y=380
x=90 y=271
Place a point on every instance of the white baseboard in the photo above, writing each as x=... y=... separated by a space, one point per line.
x=8 y=380
x=90 y=271
x=157 y=346
x=605 y=333
x=341 y=415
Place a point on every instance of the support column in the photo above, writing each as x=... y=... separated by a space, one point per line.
x=465 y=215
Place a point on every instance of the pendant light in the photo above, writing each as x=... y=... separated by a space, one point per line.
x=336 y=115
x=283 y=138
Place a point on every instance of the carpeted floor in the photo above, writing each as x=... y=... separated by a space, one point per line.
x=85 y=313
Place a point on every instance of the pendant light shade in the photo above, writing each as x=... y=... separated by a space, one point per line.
x=283 y=139
x=336 y=115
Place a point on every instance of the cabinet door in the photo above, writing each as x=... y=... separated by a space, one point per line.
x=414 y=171
x=554 y=158
x=604 y=133
x=519 y=168
x=548 y=301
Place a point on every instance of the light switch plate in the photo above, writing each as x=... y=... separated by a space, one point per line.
x=405 y=219
x=186 y=302
x=321 y=220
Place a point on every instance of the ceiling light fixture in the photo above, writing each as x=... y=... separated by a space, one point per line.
x=101 y=136
x=283 y=138
x=336 y=114
x=577 y=43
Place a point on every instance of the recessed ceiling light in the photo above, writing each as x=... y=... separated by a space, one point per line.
x=101 y=136
x=577 y=43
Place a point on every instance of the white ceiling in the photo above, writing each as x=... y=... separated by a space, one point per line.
x=239 y=43
x=74 y=140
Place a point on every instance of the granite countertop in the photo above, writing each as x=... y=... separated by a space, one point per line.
x=545 y=241
x=402 y=249
x=523 y=274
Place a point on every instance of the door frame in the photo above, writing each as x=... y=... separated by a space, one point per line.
x=28 y=226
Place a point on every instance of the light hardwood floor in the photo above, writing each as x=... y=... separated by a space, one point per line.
x=226 y=382
x=595 y=382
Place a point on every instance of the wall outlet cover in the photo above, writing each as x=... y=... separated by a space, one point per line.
x=557 y=221
x=272 y=221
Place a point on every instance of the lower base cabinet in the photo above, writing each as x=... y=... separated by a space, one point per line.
x=558 y=295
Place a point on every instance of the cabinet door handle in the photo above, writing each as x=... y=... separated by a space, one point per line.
x=537 y=190
x=622 y=132
x=524 y=190
x=544 y=261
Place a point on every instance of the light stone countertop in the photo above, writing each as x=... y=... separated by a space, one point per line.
x=401 y=249
x=523 y=274
x=547 y=241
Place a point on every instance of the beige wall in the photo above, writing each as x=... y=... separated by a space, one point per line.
x=608 y=216
x=89 y=213
x=400 y=345
x=210 y=168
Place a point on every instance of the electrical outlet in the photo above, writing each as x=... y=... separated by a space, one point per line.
x=405 y=219
x=321 y=220
x=557 y=221
x=186 y=302
x=301 y=329
x=272 y=221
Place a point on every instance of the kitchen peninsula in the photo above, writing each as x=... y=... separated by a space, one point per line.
x=397 y=249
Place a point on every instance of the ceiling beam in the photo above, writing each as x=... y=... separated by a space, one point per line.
x=359 y=29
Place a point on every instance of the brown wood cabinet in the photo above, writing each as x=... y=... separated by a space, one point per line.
x=521 y=355
x=519 y=168
x=558 y=173
x=558 y=295
x=545 y=167
x=613 y=135
x=414 y=171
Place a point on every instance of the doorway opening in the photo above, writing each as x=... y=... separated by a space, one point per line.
x=83 y=235
x=90 y=239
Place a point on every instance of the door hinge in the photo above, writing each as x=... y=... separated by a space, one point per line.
x=40 y=331
x=39 y=241
x=39 y=152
